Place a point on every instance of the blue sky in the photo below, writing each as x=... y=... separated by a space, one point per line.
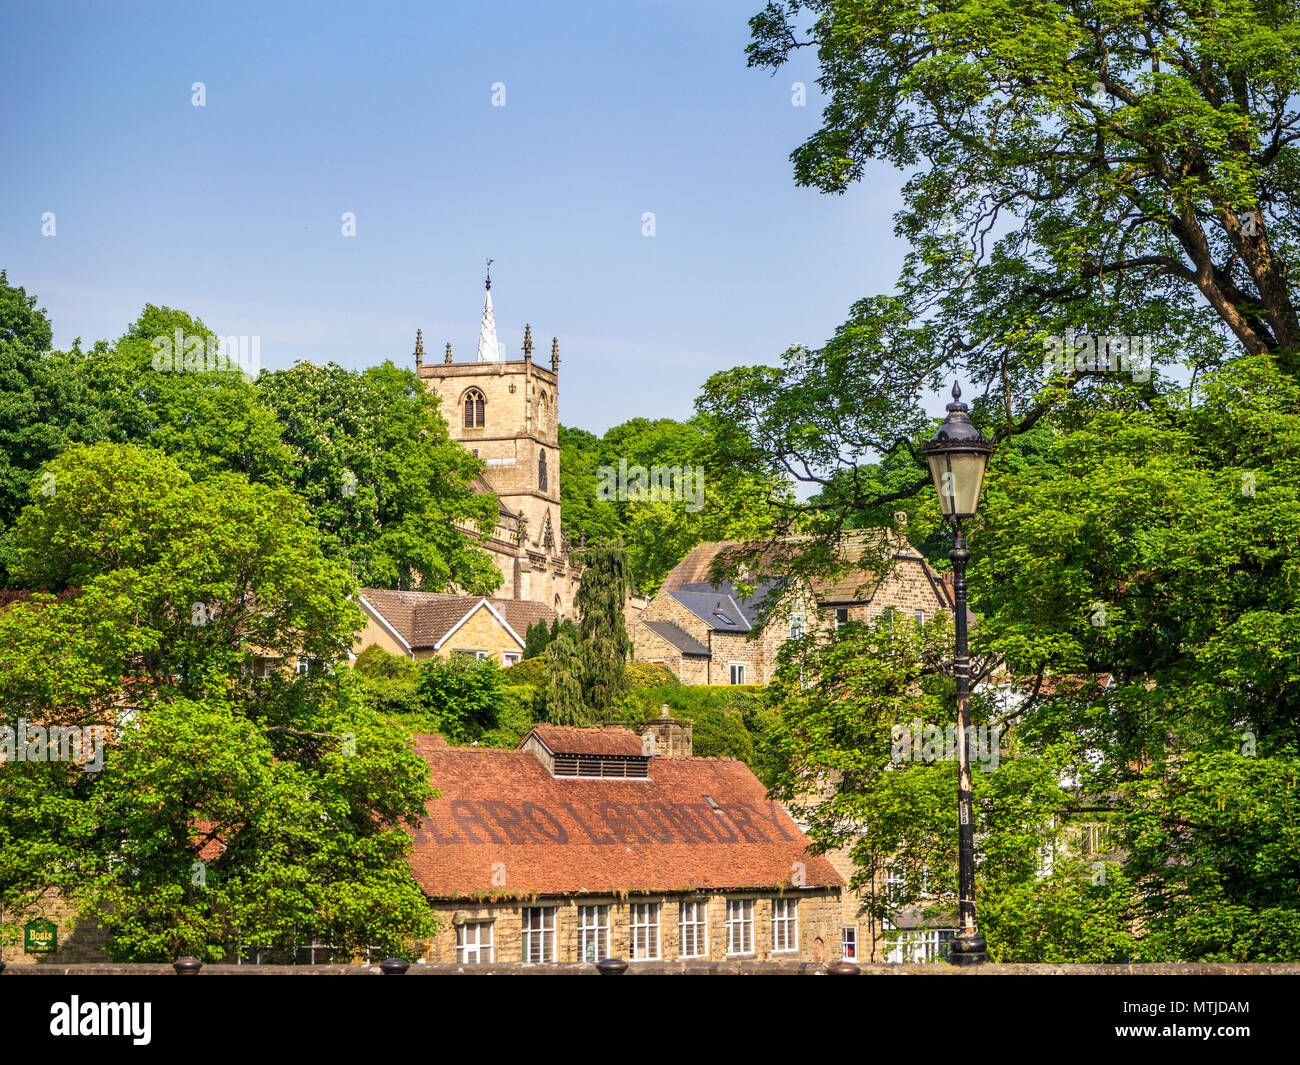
x=232 y=211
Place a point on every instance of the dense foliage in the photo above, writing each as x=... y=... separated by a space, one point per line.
x=1112 y=171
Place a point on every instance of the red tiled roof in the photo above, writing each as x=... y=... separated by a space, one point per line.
x=503 y=826
x=424 y=618
x=560 y=739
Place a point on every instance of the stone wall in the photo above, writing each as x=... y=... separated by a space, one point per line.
x=817 y=932
x=78 y=941
x=694 y=968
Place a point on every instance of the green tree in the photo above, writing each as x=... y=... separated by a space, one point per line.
x=563 y=699
x=461 y=695
x=536 y=638
x=228 y=805
x=390 y=489
x=388 y=681
x=44 y=404
x=605 y=645
x=206 y=413
x=848 y=710
x=1131 y=170
x=716 y=503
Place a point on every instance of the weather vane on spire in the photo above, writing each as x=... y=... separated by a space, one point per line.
x=489 y=274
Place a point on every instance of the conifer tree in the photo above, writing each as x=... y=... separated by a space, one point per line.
x=536 y=639
x=605 y=646
x=564 y=705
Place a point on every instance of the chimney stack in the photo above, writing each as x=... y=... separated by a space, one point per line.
x=672 y=735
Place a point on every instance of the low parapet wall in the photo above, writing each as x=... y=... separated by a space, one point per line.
x=662 y=968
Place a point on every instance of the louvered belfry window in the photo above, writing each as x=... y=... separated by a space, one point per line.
x=475 y=409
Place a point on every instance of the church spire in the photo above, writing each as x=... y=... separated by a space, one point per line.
x=419 y=348
x=488 y=349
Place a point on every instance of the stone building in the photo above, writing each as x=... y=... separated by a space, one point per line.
x=507 y=413
x=706 y=631
x=423 y=625
x=584 y=843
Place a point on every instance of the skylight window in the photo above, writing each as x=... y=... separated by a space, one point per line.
x=723 y=618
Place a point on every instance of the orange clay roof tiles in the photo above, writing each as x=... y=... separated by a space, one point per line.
x=504 y=826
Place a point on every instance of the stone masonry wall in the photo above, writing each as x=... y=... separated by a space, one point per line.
x=817 y=931
x=78 y=941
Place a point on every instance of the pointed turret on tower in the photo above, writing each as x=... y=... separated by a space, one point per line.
x=555 y=355
x=488 y=348
x=419 y=348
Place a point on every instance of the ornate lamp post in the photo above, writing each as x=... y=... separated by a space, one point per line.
x=958 y=454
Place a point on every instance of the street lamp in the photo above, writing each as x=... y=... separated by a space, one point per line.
x=958 y=454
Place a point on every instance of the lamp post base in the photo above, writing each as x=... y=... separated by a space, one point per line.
x=964 y=950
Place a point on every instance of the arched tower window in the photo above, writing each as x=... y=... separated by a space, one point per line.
x=475 y=409
x=541 y=412
x=541 y=472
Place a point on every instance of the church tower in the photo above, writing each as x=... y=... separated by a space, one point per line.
x=507 y=413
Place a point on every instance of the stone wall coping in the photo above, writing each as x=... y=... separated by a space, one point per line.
x=661 y=968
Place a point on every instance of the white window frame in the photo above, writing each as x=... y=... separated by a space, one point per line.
x=731 y=672
x=639 y=914
x=798 y=625
x=302 y=667
x=257 y=955
x=693 y=915
x=740 y=927
x=895 y=883
x=464 y=948
x=593 y=928
x=543 y=936
x=920 y=617
x=510 y=658
x=918 y=946
x=313 y=947
x=849 y=942
x=785 y=926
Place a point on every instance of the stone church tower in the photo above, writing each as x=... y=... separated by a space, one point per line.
x=507 y=413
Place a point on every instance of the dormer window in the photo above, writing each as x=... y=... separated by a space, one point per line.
x=589 y=752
